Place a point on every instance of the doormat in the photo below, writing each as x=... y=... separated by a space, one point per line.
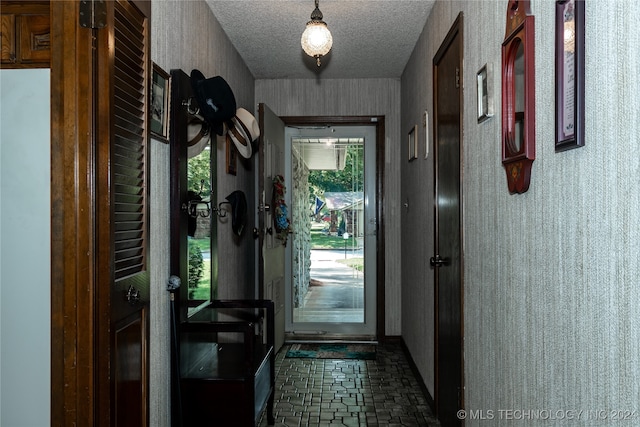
x=332 y=351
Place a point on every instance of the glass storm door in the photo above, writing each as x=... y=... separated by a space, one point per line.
x=331 y=254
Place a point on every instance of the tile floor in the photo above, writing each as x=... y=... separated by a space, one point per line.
x=341 y=392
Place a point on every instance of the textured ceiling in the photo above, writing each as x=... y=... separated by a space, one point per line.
x=371 y=39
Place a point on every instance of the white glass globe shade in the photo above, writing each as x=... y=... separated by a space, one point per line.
x=316 y=39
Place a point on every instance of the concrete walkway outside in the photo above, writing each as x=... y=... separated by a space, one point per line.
x=338 y=291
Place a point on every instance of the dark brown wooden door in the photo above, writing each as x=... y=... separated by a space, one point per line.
x=122 y=211
x=99 y=215
x=447 y=261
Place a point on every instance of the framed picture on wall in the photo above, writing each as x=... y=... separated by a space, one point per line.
x=413 y=143
x=569 y=74
x=159 y=104
x=485 y=92
x=231 y=157
x=425 y=125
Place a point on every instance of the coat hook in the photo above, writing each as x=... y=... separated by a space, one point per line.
x=191 y=207
x=195 y=199
x=220 y=211
x=191 y=109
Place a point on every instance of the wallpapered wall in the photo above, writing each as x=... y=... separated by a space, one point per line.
x=551 y=295
x=185 y=35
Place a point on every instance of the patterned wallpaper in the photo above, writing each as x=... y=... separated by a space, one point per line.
x=551 y=296
x=185 y=35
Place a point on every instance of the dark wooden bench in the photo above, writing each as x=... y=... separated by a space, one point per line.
x=227 y=364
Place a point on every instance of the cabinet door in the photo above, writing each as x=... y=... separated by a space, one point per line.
x=7 y=38
x=25 y=34
x=35 y=38
x=122 y=221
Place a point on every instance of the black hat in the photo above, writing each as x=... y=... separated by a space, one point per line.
x=215 y=99
x=238 y=203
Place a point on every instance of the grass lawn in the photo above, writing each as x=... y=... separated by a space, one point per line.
x=357 y=263
x=319 y=240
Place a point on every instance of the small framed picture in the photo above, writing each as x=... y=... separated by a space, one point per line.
x=485 y=92
x=569 y=74
x=159 y=104
x=425 y=125
x=231 y=157
x=413 y=143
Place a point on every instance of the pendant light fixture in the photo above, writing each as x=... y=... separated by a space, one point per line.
x=316 y=39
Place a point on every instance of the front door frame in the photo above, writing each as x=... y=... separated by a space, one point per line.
x=379 y=122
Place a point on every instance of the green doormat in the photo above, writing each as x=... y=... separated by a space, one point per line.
x=332 y=351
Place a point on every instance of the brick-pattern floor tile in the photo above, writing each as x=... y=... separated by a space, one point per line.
x=351 y=393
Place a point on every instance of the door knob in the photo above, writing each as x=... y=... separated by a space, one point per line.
x=438 y=261
x=132 y=295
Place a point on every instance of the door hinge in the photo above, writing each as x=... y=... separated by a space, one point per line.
x=93 y=13
x=457 y=78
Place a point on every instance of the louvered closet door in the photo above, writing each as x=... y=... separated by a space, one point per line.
x=123 y=215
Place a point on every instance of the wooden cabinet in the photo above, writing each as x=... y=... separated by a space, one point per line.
x=25 y=34
x=227 y=364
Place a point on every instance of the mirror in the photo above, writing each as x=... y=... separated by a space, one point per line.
x=193 y=198
x=200 y=286
x=202 y=219
x=518 y=99
x=518 y=84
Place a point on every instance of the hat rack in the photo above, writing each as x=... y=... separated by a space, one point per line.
x=191 y=207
